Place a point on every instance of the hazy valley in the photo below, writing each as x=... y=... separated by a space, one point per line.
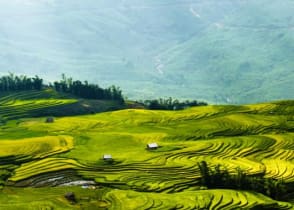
x=221 y=52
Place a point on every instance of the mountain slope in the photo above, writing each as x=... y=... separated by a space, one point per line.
x=228 y=51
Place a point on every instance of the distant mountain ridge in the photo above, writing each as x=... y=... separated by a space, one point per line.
x=217 y=51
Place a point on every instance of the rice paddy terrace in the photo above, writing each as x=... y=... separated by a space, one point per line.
x=40 y=162
x=20 y=104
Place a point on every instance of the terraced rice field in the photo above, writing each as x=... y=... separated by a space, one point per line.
x=258 y=139
x=29 y=103
x=204 y=199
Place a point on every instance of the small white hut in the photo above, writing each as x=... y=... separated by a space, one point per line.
x=152 y=146
x=107 y=157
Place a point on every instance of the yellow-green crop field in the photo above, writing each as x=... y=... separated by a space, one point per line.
x=29 y=103
x=43 y=161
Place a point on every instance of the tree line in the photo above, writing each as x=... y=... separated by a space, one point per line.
x=218 y=177
x=13 y=82
x=86 y=90
x=170 y=104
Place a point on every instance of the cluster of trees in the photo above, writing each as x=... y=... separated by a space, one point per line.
x=221 y=178
x=170 y=104
x=86 y=90
x=13 y=82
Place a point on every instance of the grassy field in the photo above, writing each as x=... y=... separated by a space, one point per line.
x=40 y=162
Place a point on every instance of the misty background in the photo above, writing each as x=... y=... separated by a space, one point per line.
x=229 y=51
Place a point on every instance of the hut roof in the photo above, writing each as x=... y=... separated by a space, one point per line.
x=152 y=145
x=107 y=157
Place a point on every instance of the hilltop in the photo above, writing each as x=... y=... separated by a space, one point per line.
x=62 y=156
x=48 y=102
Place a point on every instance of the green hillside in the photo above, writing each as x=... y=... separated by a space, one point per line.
x=40 y=162
x=48 y=102
x=216 y=51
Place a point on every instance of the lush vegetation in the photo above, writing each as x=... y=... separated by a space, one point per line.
x=170 y=104
x=13 y=82
x=249 y=148
x=85 y=90
x=221 y=178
